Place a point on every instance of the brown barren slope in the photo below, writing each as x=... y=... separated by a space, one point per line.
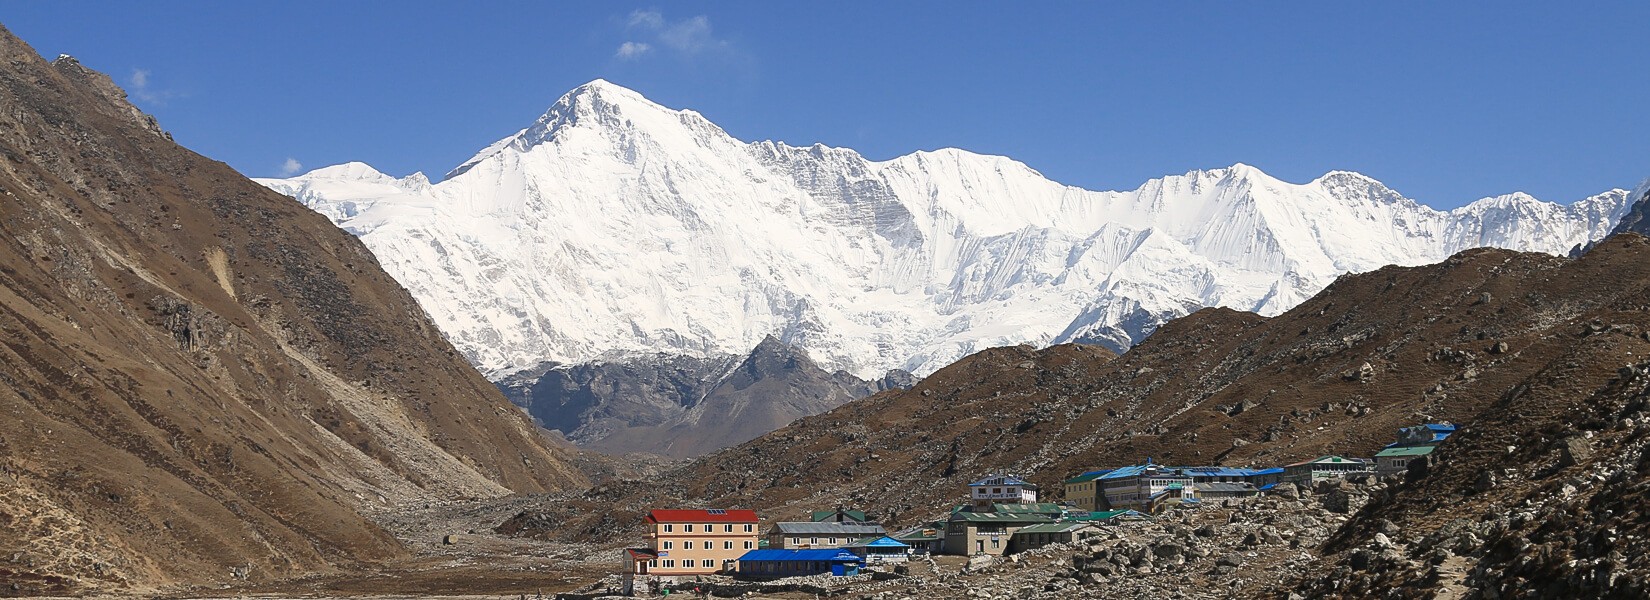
x=1442 y=342
x=198 y=374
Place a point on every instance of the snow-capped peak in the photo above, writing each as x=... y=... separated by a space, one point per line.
x=614 y=225
x=350 y=171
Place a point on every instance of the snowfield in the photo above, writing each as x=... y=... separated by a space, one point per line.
x=613 y=225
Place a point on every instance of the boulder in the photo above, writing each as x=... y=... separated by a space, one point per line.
x=1574 y=451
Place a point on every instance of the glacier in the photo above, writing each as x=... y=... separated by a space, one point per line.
x=614 y=226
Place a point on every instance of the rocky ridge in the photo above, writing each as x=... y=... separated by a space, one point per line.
x=684 y=406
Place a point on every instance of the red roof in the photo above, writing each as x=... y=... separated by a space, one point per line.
x=642 y=553
x=702 y=516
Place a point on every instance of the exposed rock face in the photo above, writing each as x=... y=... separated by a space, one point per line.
x=200 y=379
x=685 y=406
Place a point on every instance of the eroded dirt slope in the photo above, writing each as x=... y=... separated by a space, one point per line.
x=200 y=380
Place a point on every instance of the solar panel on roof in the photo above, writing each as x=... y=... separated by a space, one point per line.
x=717 y=511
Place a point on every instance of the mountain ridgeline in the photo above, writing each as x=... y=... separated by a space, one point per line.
x=202 y=380
x=613 y=225
x=683 y=406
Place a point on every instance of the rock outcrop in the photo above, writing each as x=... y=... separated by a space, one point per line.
x=684 y=406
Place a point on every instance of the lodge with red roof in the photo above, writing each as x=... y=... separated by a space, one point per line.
x=694 y=542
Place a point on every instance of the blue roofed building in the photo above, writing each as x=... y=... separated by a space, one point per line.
x=774 y=564
x=882 y=549
x=1430 y=434
x=1145 y=488
x=1083 y=490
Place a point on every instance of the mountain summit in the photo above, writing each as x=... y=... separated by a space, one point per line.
x=615 y=225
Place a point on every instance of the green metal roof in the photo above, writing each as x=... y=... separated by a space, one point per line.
x=1052 y=528
x=1089 y=476
x=830 y=515
x=977 y=517
x=1040 y=507
x=916 y=535
x=1406 y=451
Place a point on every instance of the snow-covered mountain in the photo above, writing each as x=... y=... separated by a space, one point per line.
x=613 y=225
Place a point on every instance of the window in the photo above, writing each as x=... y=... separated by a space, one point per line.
x=669 y=527
x=727 y=528
x=707 y=563
x=654 y=564
x=688 y=528
x=813 y=541
x=728 y=545
x=796 y=541
x=670 y=563
x=687 y=545
x=833 y=541
x=748 y=528
x=668 y=544
x=996 y=542
x=748 y=544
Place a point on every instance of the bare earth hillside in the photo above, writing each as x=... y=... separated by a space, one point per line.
x=200 y=379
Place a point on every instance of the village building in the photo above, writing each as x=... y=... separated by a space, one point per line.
x=1430 y=434
x=1145 y=488
x=968 y=532
x=1046 y=509
x=1108 y=517
x=1083 y=491
x=1222 y=491
x=777 y=563
x=881 y=549
x=694 y=542
x=923 y=539
x=1396 y=460
x=1043 y=534
x=840 y=515
x=1310 y=472
x=1001 y=488
x=820 y=534
x=1265 y=479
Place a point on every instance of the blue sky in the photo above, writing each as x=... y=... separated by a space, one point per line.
x=1445 y=102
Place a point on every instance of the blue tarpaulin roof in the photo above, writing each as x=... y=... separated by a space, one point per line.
x=884 y=542
x=1125 y=472
x=820 y=554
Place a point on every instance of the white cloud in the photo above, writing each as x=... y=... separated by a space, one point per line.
x=650 y=19
x=689 y=36
x=632 y=50
x=291 y=167
x=139 y=86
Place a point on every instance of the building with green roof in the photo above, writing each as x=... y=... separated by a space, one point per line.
x=1396 y=460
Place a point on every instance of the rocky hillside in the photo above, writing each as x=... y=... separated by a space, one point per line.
x=202 y=379
x=1543 y=495
x=685 y=406
x=1337 y=374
